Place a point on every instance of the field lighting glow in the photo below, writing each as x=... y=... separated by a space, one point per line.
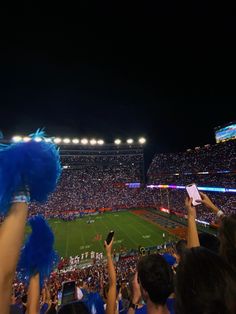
x=142 y=140
x=17 y=138
x=37 y=139
x=117 y=141
x=130 y=141
x=100 y=142
x=84 y=141
x=93 y=141
x=57 y=140
x=75 y=141
x=66 y=140
x=26 y=139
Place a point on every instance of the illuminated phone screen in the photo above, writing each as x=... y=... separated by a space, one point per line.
x=193 y=193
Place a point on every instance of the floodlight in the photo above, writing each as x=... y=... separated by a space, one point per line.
x=57 y=140
x=117 y=141
x=84 y=141
x=130 y=141
x=17 y=138
x=37 y=139
x=100 y=142
x=26 y=139
x=93 y=141
x=142 y=140
x=66 y=140
x=75 y=141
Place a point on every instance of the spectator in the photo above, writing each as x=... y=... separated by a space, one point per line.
x=204 y=284
x=227 y=236
x=156 y=284
x=111 y=307
x=181 y=246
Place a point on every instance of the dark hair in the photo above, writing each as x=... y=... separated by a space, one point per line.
x=181 y=246
x=209 y=241
x=24 y=298
x=74 y=308
x=205 y=284
x=156 y=277
x=227 y=235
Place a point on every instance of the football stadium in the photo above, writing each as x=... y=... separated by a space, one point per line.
x=104 y=187
x=117 y=158
x=99 y=188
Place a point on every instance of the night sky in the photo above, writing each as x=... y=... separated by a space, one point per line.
x=161 y=71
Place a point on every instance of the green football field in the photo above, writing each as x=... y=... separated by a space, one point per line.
x=76 y=237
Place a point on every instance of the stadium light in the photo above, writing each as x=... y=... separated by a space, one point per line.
x=37 y=139
x=100 y=142
x=57 y=140
x=26 y=139
x=84 y=141
x=47 y=140
x=142 y=140
x=117 y=141
x=17 y=138
x=130 y=141
x=93 y=141
x=66 y=140
x=75 y=141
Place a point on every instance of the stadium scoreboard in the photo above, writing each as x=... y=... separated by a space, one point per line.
x=226 y=132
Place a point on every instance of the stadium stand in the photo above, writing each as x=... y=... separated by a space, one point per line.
x=95 y=179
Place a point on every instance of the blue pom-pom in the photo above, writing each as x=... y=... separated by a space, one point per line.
x=37 y=255
x=34 y=164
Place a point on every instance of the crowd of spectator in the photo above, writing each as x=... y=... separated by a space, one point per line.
x=100 y=181
x=174 y=200
x=211 y=166
x=211 y=158
x=92 y=278
x=198 y=281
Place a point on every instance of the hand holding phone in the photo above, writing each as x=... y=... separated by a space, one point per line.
x=68 y=292
x=107 y=243
x=193 y=193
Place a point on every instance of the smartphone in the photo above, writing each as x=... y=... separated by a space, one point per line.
x=59 y=297
x=68 y=292
x=193 y=193
x=110 y=236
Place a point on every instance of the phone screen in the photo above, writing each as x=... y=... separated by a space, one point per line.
x=193 y=193
x=68 y=292
x=59 y=297
x=109 y=237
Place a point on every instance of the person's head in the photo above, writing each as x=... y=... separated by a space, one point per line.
x=209 y=241
x=156 y=279
x=80 y=283
x=180 y=246
x=74 y=308
x=227 y=235
x=204 y=284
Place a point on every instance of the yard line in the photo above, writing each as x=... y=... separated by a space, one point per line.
x=66 y=240
x=127 y=237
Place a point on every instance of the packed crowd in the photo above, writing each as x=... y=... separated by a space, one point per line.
x=94 y=181
x=215 y=180
x=203 y=267
x=199 y=277
x=212 y=158
x=174 y=200
x=92 y=278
